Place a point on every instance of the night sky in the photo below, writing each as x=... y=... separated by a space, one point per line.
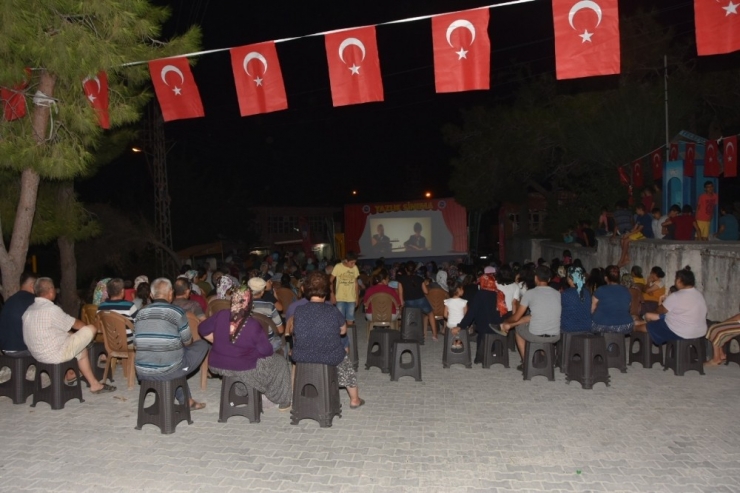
x=313 y=153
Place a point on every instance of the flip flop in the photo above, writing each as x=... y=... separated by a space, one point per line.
x=71 y=381
x=497 y=329
x=197 y=406
x=362 y=403
x=106 y=388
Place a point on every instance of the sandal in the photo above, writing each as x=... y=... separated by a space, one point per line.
x=362 y=403
x=197 y=406
x=497 y=329
x=71 y=381
x=106 y=388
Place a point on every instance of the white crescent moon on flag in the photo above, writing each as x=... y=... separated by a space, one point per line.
x=729 y=146
x=350 y=41
x=690 y=152
x=656 y=158
x=171 y=68
x=97 y=81
x=254 y=55
x=584 y=4
x=461 y=23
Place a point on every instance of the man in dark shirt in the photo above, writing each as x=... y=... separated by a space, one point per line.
x=11 y=318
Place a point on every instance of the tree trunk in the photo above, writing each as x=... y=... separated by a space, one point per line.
x=69 y=300
x=13 y=259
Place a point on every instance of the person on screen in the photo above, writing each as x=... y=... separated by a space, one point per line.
x=416 y=242
x=380 y=242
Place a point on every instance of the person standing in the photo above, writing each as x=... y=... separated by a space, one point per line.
x=345 y=290
x=728 y=228
x=705 y=211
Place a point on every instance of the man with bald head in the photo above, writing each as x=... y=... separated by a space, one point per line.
x=46 y=333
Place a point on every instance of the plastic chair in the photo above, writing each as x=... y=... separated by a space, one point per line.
x=382 y=316
x=285 y=296
x=452 y=357
x=216 y=305
x=193 y=322
x=114 y=337
x=684 y=355
x=436 y=298
x=89 y=314
x=587 y=360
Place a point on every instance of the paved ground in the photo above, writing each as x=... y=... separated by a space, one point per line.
x=459 y=430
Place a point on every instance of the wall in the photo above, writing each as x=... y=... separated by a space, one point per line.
x=715 y=264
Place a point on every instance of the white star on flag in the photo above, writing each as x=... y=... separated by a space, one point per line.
x=355 y=69
x=177 y=91
x=91 y=98
x=586 y=36
x=258 y=81
x=731 y=8
x=462 y=54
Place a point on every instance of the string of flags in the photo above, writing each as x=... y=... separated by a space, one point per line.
x=712 y=161
x=587 y=43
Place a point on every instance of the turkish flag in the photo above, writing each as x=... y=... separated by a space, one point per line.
x=462 y=51
x=176 y=90
x=711 y=158
x=688 y=159
x=623 y=178
x=730 y=156
x=354 y=66
x=717 y=26
x=96 y=90
x=673 y=154
x=637 y=180
x=259 y=81
x=656 y=160
x=14 y=100
x=586 y=38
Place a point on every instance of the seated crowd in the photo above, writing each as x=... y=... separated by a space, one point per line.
x=244 y=316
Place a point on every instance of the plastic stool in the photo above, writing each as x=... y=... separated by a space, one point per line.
x=684 y=355
x=58 y=393
x=165 y=413
x=732 y=357
x=354 y=356
x=412 y=325
x=384 y=339
x=561 y=349
x=644 y=354
x=316 y=394
x=587 y=360
x=532 y=351
x=615 y=349
x=495 y=350
x=248 y=406
x=94 y=351
x=413 y=369
x=461 y=357
x=511 y=340
x=17 y=388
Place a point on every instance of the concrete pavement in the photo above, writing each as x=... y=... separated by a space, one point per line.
x=460 y=430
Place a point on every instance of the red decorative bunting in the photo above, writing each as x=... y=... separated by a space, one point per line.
x=673 y=154
x=176 y=90
x=623 y=178
x=717 y=26
x=258 y=79
x=96 y=90
x=354 y=66
x=586 y=38
x=730 y=156
x=637 y=180
x=462 y=51
x=14 y=100
x=711 y=158
x=656 y=161
x=688 y=159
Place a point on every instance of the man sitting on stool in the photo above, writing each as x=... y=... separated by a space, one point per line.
x=46 y=333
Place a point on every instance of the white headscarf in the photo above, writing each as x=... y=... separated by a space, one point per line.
x=442 y=279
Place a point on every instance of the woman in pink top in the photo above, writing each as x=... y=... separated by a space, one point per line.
x=380 y=285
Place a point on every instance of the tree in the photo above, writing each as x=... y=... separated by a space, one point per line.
x=65 y=41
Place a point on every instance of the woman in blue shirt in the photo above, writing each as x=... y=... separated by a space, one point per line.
x=610 y=307
x=576 y=303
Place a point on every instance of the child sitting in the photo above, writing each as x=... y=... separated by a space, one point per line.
x=637 y=278
x=455 y=309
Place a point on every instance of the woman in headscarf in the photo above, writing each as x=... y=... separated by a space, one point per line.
x=440 y=281
x=241 y=350
x=487 y=308
x=575 y=315
x=101 y=291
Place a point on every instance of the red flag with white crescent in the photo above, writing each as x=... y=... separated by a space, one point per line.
x=688 y=159
x=637 y=180
x=656 y=162
x=176 y=90
x=96 y=91
x=354 y=66
x=730 y=156
x=623 y=178
x=586 y=38
x=717 y=26
x=258 y=79
x=673 y=154
x=711 y=158
x=462 y=51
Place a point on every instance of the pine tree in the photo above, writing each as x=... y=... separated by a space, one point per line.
x=54 y=45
